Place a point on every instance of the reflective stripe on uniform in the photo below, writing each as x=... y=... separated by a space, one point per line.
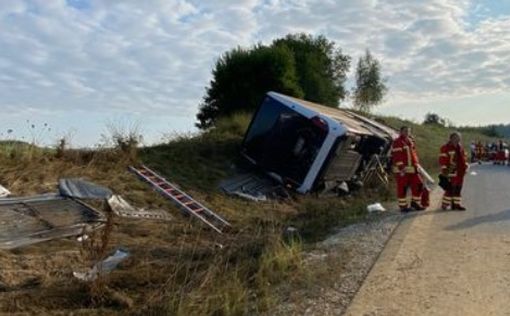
x=410 y=169
x=409 y=158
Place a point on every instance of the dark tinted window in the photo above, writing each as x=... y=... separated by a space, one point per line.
x=283 y=141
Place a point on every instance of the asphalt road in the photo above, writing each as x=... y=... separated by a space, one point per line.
x=447 y=262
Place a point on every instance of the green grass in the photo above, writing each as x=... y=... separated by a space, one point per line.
x=180 y=268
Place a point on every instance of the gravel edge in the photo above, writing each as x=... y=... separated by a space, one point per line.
x=347 y=255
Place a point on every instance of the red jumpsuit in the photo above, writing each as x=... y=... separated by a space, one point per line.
x=405 y=162
x=453 y=164
x=500 y=155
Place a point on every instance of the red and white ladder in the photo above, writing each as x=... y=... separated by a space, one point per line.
x=183 y=200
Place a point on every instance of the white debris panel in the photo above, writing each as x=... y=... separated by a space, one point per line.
x=103 y=267
x=122 y=208
x=4 y=192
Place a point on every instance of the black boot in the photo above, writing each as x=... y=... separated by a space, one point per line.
x=405 y=210
x=458 y=207
x=417 y=207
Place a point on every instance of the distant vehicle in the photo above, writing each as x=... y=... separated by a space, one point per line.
x=313 y=148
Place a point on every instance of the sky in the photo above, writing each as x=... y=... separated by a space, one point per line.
x=73 y=67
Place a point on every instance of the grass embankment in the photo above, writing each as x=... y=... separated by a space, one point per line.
x=176 y=268
x=429 y=139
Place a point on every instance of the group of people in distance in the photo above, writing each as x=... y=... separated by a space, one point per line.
x=495 y=152
x=406 y=167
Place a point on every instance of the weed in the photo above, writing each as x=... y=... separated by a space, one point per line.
x=124 y=139
x=94 y=249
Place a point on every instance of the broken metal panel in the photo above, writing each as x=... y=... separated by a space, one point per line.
x=343 y=167
x=81 y=189
x=252 y=187
x=122 y=208
x=375 y=173
x=25 y=221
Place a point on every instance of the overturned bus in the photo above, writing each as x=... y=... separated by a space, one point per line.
x=313 y=148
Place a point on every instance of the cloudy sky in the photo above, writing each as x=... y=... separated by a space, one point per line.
x=79 y=64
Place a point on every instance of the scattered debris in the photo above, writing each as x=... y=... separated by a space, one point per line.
x=82 y=189
x=376 y=207
x=257 y=198
x=183 y=200
x=122 y=208
x=82 y=238
x=344 y=187
x=374 y=172
x=30 y=220
x=103 y=267
x=253 y=187
x=4 y=192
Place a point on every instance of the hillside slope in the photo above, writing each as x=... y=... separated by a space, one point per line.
x=176 y=268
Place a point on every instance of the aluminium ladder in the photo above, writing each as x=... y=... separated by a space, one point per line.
x=183 y=200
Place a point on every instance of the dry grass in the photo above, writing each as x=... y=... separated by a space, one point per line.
x=178 y=267
x=175 y=268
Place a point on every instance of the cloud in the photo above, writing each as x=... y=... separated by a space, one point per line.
x=156 y=56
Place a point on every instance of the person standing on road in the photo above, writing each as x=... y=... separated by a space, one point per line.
x=500 y=153
x=452 y=160
x=479 y=152
x=472 y=148
x=405 y=166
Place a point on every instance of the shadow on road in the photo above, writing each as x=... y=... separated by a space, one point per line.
x=489 y=218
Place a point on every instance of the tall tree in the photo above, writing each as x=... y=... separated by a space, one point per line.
x=298 y=65
x=370 y=86
x=320 y=66
x=241 y=79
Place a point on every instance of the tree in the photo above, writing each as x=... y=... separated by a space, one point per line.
x=434 y=119
x=320 y=66
x=241 y=79
x=370 y=86
x=300 y=65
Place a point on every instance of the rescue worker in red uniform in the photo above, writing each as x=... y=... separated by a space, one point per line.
x=500 y=155
x=454 y=165
x=479 y=152
x=405 y=166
